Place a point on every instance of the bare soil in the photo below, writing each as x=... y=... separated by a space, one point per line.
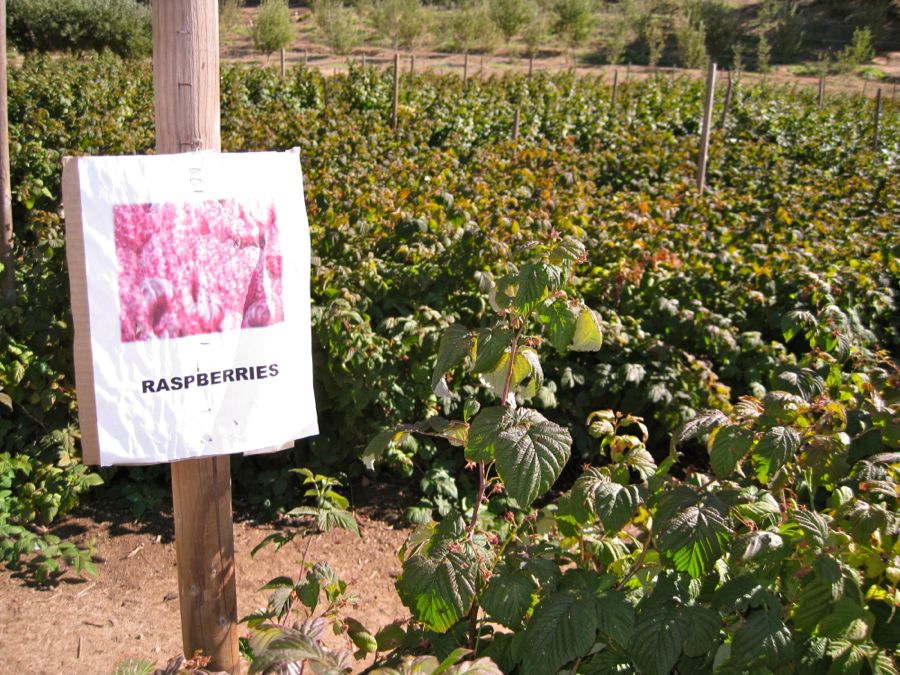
x=88 y=624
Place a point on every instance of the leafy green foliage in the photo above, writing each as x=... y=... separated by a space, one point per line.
x=122 y=26
x=273 y=28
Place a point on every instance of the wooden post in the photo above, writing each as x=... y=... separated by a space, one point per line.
x=481 y=68
x=530 y=65
x=727 y=105
x=412 y=63
x=615 y=89
x=821 y=90
x=877 y=121
x=396 y=99
x=305 y=57
x=186 y=87
x=516 y=121
x=707 y=119
x=7 y=259
x=281 y=55
x=324 y=92
x=466 y=70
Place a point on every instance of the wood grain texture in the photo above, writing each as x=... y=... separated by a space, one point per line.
x=186 y=87
x=7 y=260
x=707 y=123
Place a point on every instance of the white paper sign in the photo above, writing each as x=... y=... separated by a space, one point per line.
x=190 y=297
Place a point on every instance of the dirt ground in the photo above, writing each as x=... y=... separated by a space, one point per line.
x=85 y=625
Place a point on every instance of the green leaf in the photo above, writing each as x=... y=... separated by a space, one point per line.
x=615 y=616
x=727 y=447
x=508 y=597
x=390 y=636
x=559 y=318
x=773 y=450
x=439 y=589
x=134 y=666
x=588 y=335
x=330 y=519
x=846 y=658
x=568 y=251
x=705 y=421
x=562 y=628
x=691 y=535
x=484 y=434
x=813 y=525
x=762 y=640
x=796 y=322
x=530 y=454
x=377 y=447
x=535 y=282
x=703 y=625
x=490 y=347
x=657 y=640
x=612 y=503
x=456 y=342
x=801 y=381
x=308 y=592
x=847 y=621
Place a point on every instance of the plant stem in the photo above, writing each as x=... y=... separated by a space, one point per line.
x=637 y=564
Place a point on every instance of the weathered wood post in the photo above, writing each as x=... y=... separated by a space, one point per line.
x=281 y=57
x=530 y=65
x=412 y=63
x=466 y=70
x=707 y=120
x=395 y=102
x=8 y=275
x=516 y=122
x=876 y=132
x=615 y=89
x=821 y=90
x=186 y=87
x=726 y=107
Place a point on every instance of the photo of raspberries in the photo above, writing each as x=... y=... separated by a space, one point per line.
x=197 y=268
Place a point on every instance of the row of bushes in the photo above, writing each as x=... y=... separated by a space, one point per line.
x=121 y=26
x=797 y=222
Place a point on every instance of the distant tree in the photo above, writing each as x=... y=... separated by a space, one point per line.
x=574 y=21
x=763 y=54
x=654 y=35
x=511 y=16
x=617 y=41
x=535 y=33
x=464 y=25
x=690 y=38
x=337 y=25
x=858 y=52
x=229 y=14
x=400 y=22
x=273 y=28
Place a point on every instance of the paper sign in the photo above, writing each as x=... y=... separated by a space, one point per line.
x=189 y=276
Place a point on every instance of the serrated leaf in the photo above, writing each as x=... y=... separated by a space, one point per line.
x=881 y=663
x=846 y=658
x=490 y=347
x=796 y=322
x=331 y=519
x=848 y=620
x=640 y=459
x=508 y=598
x=559 y=318
x=615 y=616
x=568 y=251
x=588 y=335
x=702 y=632
x=754 y=544
x=801 y=381
x=813 y=602
x=456 y=342
x=691 y=535
x=705 y=421
x=813 y=525
x=378 y=445
x=612 y=503
x=496 y=379
x=773 y=450
x=439 y=589
x=535 y=282
x=763 y=640
x=484 y=433
x=530 y=454
x=562 y=628
x=390 y=636
x=657 y=640
x=308 y=592
x=727 y=447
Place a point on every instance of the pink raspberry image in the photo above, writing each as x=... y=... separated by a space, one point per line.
x=197 y=268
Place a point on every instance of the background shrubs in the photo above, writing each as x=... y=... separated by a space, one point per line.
x=122 y=26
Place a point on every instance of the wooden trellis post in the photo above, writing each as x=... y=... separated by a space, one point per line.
x=530 y=65
x=615 y=89
x=516 y=122
x=729 y=92
x=281 y=56
x=466 y=70
x=707 y=123
x=186 y=87
x=395 y=102
x=8 y=276
x=821 y=90
x=876 y=132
